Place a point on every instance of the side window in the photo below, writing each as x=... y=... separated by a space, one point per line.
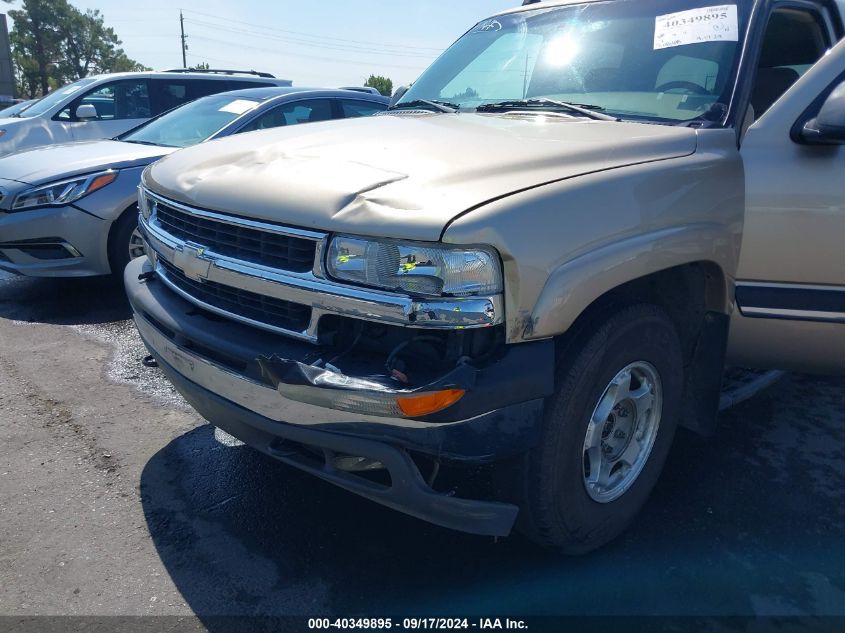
x=307 y=111
x=241 y=85
x=203 y=87
x=795 y=39
x=353 y=107
x=129 y=99
x=170 y=93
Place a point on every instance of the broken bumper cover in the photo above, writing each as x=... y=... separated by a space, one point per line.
x=214 y=364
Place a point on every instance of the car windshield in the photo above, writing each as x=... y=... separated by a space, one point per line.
x=16 y=109
x=191 y=123
x=659 y=60
x=58 y=96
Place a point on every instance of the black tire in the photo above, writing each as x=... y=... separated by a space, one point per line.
x=119 y=236
x=548 y=482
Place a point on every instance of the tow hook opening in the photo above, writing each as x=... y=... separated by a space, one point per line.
x=356 y=464
x=368 y=468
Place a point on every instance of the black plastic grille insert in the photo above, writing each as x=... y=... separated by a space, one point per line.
x=294 y=254
x=269 y=310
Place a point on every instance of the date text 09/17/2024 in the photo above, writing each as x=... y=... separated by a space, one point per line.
x=417 y=624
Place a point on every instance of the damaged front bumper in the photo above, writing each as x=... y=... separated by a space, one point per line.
x=234 y=376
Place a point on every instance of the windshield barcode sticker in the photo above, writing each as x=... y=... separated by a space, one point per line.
x=697 y=26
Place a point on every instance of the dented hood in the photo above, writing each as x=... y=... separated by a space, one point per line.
x=402 y=176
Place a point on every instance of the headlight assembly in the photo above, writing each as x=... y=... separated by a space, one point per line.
x=415 y=267
x=63 y=192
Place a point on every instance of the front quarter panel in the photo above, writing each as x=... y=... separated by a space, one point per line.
x=566 y=244
x=111 y=201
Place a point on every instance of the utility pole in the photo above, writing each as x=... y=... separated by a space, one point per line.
x=184 y=45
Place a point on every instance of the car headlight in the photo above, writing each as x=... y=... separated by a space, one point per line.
x=63 y=192
x=415 y=268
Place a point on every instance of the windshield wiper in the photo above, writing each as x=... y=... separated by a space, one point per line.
x=126 y=140
x=587 y=110
x=438 y=106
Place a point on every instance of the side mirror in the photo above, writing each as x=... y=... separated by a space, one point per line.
x=397 y=94
x=86 y=111
x=828 y=128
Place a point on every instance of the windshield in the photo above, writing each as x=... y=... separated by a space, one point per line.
x=191 y=123
x=55 y=98
x=661 y=60
x=16 y=109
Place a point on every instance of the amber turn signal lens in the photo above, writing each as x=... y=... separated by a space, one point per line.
x=426 y=403
x=101 y=181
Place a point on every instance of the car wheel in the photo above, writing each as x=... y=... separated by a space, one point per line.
x=125 y=241
x=606 y=433
x=136 y=244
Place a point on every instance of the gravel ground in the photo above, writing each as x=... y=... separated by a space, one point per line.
x=116 y=499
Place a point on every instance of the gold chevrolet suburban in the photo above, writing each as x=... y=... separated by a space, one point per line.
x=491 y=305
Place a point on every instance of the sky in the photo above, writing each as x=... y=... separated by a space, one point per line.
x=312 y=42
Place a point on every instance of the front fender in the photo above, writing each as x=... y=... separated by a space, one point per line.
x=565 y=244
x=576 y=284
x=110 y=202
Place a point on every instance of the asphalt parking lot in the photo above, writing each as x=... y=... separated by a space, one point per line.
x=116 y=499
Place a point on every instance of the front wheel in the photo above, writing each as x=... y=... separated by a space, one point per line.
x=606 y=433
x=125 y=241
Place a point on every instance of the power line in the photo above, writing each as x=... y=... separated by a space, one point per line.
x=290 y=40
x=314 y=57
x=383 y=45
x=317 y=37
x=208 y=58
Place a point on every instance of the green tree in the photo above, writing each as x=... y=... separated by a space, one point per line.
x=201 y=66
x=27 y=76
x=35 y=43
x=54 y=43
x=382 y=84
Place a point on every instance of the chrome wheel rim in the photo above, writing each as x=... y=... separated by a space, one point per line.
x=622 y=431
x=136 y=244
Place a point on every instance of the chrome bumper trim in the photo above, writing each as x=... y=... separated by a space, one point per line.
x=322 y=295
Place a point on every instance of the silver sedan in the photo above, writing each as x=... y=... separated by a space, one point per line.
x=71 y=210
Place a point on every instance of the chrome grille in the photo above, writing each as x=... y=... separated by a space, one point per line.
x=282 y=252
x=276 y=313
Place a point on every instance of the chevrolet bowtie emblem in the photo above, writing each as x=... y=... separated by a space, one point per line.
x=193 y=261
